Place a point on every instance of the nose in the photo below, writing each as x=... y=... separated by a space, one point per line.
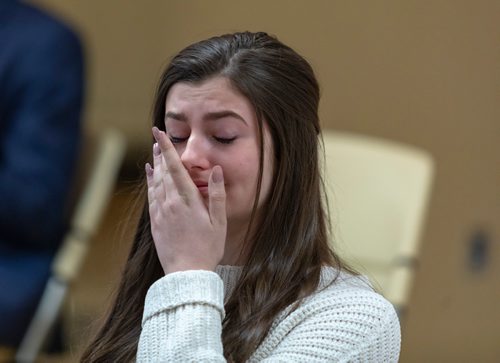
x=195 y=154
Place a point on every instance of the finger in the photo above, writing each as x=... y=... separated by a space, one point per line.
x=159 y=173
x=150 y=183
x=176 y=170
x=217 y=197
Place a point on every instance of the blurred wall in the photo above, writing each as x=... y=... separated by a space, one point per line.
x=420 y=72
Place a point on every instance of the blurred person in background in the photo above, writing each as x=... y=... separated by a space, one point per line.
x=41 y=91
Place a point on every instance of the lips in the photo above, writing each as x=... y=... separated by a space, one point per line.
x=202 y=186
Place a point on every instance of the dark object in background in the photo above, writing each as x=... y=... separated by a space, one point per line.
x=41 y=91
x=479 y=248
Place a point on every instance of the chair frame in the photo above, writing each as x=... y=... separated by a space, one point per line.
x=99 y=182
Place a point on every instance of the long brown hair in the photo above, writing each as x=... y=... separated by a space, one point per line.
x=290 y=246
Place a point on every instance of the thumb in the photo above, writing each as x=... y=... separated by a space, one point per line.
x=217 y=197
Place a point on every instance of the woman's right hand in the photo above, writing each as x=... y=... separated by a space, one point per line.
x=187 y=234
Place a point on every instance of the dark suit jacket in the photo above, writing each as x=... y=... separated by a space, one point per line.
x=41 y=81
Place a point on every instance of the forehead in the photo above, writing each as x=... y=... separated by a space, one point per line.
x=213 y=94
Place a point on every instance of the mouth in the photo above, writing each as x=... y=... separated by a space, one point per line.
x=202 y=187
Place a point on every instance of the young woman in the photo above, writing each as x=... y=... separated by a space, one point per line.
x=231 y=260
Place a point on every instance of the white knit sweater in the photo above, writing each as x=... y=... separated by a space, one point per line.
x=346 y=322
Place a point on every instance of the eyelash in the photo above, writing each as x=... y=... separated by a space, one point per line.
x=221 y=140
x=177 y=140
x=224 y=140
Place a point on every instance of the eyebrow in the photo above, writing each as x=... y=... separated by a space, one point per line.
x=210 y=116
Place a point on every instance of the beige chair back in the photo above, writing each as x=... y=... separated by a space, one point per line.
x=378 y=193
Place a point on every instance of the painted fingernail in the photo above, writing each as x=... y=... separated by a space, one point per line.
x=156 y=132
x=156 y=149
x=149 y=169
x=217 y=174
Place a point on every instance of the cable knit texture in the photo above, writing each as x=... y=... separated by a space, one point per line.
x=343 y=322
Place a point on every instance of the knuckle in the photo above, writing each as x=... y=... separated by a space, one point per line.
x=184 y=197
x=157 y=180
x=175 y=170
x=219 y=197
x=170 y=205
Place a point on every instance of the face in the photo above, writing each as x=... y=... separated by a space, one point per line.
x=211 y=123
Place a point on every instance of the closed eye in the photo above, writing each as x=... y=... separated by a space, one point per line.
x=223 y=140
x=177 y=140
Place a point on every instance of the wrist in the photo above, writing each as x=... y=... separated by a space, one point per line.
x=172 y=267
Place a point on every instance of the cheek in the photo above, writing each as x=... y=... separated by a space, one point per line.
x=179 y=148
x=244 y=172
x=241 y=178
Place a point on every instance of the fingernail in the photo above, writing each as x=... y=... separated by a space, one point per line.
x=149 y=169
x=156 y=149
x=156 y=132
x=217 y=176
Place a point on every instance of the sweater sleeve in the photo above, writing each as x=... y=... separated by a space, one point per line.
x=182 y=319
x=183 y=316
